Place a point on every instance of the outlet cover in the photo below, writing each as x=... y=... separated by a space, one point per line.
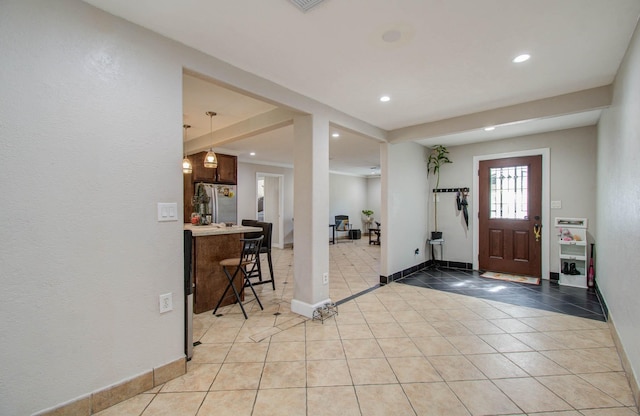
x=166 y=302
x=325 y=278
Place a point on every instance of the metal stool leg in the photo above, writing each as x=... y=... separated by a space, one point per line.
x=250 y=286
x=259 y=267
x=231 y=278
x=273 y=281
x=226 y=289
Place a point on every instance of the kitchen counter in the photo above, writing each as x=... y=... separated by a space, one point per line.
x=204 y=230
x=212 y=244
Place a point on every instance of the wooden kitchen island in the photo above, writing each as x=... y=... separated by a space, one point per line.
x=211 y=245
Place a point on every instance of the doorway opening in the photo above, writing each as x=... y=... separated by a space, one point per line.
x=270 y=204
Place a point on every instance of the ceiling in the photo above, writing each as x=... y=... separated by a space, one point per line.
x=348 y=154
x=435 y=59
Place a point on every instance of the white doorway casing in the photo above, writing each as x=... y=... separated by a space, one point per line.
x=273 y=204
x=546 y=231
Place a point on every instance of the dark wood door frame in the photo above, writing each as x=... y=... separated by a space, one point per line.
x=546 y=214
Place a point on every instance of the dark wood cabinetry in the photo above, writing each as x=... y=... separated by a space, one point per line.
x=226 y=172
x=209 y=279
x=200 y=173
x=227 y=169
x=188 y=189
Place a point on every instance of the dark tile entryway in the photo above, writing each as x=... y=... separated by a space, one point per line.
x=549 y=295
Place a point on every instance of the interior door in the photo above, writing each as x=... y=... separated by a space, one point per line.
x=510 y=209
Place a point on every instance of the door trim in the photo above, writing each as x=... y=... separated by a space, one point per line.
x=546 y=230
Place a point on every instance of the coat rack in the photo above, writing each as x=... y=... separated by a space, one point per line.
x=450 y=190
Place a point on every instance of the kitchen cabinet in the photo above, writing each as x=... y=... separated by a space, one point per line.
x=225 y=173
x=188 y=189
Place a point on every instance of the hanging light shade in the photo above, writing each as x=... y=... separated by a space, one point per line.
x=186 y=163
x=211 y=160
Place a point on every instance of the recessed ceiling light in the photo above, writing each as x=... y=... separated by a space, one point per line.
x=521 y=58
x=385 y=98
x=335 y=135
x=252 y=153
x=489 y=128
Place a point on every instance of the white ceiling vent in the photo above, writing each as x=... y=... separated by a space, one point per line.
x=306 y=5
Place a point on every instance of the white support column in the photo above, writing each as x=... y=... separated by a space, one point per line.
x=311 y=213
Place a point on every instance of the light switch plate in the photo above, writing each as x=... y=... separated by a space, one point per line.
x=167 y=211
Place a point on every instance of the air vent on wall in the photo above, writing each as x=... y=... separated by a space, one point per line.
x=306 y=5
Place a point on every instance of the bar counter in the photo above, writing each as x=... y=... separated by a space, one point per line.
x=212 y=244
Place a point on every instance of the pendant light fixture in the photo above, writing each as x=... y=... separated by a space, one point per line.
x=211 y=160
x=186 y=163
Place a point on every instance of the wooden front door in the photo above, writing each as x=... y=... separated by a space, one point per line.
x=510 y=212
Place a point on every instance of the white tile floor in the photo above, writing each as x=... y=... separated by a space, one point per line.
x=397 y=350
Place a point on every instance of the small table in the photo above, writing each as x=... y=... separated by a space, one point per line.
x=438 y=242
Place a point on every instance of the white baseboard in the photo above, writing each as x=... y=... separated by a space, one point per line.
x=626 y=364
x=306 y=309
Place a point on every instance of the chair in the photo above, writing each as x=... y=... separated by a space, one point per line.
x=267 y=231
x=245 y=264
x=375 y=232
x=342 y=225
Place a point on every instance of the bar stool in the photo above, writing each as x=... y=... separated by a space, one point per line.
x=265 y=248
x=246 y=264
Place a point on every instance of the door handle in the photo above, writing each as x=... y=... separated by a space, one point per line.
x=537 y=230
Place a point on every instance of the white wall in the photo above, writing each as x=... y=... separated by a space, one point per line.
x=617 y=259
x=572 y=177
x=347 y=196
x=90 y=144
x=374 y=197
x=247 y=193
x=405 y=209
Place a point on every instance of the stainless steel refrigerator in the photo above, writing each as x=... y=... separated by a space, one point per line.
x=223 y=203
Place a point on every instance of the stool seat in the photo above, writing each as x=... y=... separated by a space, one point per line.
x=246 y=265
x=232 y=262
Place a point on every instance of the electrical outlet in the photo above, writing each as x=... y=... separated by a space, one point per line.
x=325 y=278
x=166 y=302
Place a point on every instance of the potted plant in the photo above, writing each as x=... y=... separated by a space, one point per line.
x=438 y=156
x=368 y=218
